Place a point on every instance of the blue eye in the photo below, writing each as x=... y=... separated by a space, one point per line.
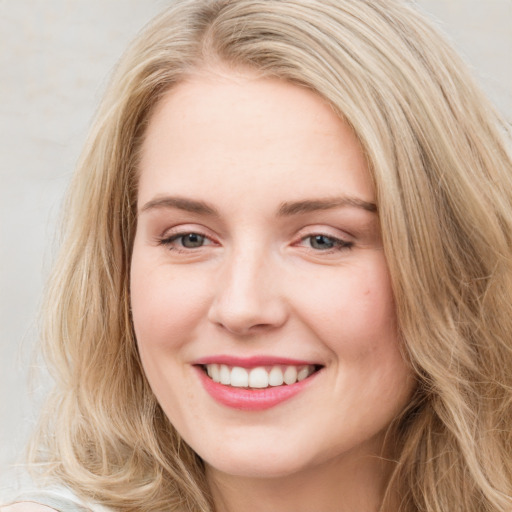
x=321 y=242
x=185 y=241
x=326 y=243
x=191 y=240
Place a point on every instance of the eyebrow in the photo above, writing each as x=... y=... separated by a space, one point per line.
x=298 y=207
x=286 y=209
x=181 y=203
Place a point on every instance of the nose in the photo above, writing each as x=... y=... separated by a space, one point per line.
x=248 y=298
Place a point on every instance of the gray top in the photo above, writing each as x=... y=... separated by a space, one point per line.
x=61 y=500
x=59 y=503
x=19 y=486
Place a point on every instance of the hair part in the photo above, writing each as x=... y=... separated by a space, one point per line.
x=443 y=178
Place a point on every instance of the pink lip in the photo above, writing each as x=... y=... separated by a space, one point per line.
x=251 y=399
x=251 y=362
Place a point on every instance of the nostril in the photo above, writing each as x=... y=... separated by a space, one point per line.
x=243 y=304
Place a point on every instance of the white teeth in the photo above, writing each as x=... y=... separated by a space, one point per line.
x=302 y=374
x=290 y=375
x=259 y=377
x=239 y=377
x=224 y=375
x=275 y=377
x=214 y=372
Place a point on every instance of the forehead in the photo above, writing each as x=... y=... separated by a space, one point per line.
x=240 y=133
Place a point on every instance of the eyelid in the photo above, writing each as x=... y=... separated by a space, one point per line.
x=172 y=234
x=327 y=231
x=342 y=241
x=339 y=243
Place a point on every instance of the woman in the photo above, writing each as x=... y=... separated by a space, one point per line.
x=286 y=277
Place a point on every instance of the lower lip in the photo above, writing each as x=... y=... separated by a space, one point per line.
x=251 y=399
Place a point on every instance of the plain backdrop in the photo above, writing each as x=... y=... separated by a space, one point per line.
x=55 y=59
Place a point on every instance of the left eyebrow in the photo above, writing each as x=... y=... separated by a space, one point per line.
x=311 y=205
x=181 y=203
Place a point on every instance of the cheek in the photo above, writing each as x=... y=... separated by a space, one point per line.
x=167 y=305
x=167 y=310
x=353 y=310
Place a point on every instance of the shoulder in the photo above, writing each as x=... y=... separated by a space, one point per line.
x=26 y=506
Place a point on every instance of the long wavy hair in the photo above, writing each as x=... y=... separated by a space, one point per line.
x=440 y=160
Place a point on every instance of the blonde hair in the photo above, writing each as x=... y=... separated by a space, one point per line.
x=443 y=178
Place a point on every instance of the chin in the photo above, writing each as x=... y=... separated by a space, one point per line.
x=260 y=467
x=259 y=460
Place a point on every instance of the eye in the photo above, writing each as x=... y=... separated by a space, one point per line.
x=190 y=240
x=182 y=241
x=325 y=243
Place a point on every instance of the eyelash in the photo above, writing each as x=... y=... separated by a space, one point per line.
x=338 y=244
x=168 y=241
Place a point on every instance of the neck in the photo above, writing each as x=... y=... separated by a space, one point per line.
x=339 y=486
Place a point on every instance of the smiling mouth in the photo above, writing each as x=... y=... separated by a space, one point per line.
x=260 y=377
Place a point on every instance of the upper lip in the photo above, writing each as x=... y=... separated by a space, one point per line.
x=253 y=361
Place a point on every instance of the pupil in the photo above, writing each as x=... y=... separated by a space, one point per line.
x=192 y=240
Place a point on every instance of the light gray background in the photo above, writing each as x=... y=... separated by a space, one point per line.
x=55 y=58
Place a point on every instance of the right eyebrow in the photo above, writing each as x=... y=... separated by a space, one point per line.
x=181 y=203
x=312 y=205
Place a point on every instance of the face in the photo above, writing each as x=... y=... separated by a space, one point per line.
x=261 y=298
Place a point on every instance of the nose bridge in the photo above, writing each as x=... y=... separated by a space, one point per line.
x=247 y=295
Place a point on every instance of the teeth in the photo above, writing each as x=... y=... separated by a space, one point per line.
x=259 y=377
x=290 y=375
x=214 y=372
x=302 y=374
x=239 y=377
x=275 y=377
x=224 y=375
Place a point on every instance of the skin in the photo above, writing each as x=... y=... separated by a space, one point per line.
x=246 y=145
